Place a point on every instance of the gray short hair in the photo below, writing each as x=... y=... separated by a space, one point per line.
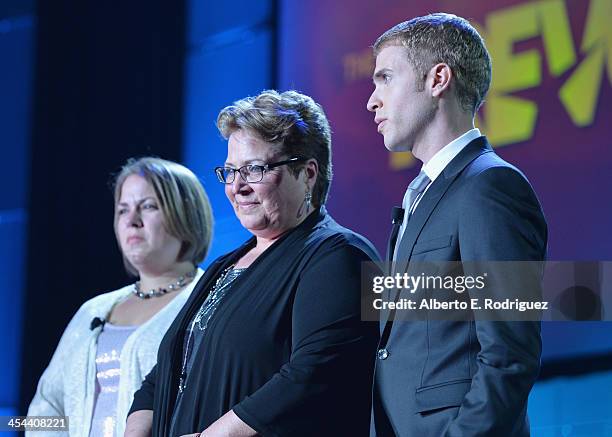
x=293 y=121
x=449 y=39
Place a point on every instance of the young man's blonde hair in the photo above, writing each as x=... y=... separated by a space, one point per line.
x=183 y=202
x=445 y=38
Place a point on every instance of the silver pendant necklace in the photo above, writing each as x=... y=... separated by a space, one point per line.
x=197 y=320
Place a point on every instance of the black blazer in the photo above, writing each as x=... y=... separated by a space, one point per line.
x=457 y=378
x=285 y=349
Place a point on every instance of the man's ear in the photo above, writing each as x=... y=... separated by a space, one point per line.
x=439 y=79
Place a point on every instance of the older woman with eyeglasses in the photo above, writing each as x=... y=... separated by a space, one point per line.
x=271 y=341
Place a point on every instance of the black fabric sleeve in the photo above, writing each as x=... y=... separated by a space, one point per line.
x=144 y=397
x=328 y=378
x=501 y=220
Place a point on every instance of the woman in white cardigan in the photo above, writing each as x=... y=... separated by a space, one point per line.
x=163 y=224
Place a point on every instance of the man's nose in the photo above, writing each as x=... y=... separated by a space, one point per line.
x=374 y=102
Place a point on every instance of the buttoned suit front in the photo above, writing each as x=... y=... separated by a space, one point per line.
x=463 y=378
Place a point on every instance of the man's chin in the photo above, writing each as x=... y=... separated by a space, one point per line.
x=395 y=147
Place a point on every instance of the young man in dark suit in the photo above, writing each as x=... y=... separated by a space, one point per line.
x=452 y=378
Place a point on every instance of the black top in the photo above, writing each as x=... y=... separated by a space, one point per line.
x=194 y=337
x=285 y=349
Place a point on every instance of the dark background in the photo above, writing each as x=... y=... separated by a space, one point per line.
x=107 y=86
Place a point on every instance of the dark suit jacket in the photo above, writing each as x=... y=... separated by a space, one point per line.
x=464 y=378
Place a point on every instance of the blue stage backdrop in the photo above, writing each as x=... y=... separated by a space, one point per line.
x=230 y=55
x=16 y=54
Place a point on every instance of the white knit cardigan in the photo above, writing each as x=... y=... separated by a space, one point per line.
x=67 y=386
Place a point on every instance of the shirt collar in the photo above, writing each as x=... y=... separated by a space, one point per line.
x=444 y=156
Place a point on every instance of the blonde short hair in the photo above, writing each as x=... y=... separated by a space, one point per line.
x=183 y=202
x=450 y=39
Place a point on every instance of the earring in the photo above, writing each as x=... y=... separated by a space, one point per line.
x=308 y=201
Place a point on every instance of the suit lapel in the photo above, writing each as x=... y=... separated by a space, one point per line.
x=418 y=219
x=430 y=200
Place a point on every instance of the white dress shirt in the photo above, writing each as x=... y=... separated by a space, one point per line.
x=433 y=169
x=440 y=160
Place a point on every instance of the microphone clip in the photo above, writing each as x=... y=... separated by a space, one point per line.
x=96 y=322
x=397 y=215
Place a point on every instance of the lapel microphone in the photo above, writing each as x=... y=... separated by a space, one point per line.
x=397 y=215
x=97 y=321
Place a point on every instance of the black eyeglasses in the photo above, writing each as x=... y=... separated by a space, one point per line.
x=251 y=173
